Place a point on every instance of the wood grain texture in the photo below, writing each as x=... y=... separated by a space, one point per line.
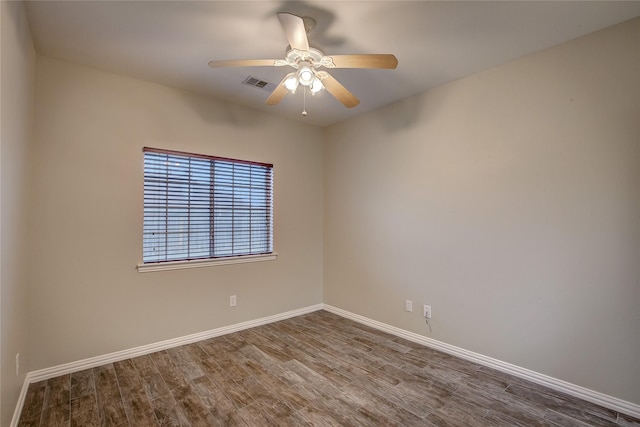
x=313 y=370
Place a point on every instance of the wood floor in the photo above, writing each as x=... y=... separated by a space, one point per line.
x=317 y=369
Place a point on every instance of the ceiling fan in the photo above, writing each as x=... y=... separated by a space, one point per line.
x=307 y=62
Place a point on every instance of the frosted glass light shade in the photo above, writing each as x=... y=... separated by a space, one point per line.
x=316 y=86
x=291 y=83
x=305 y=75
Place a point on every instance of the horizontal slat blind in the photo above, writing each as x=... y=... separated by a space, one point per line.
x=198 y=207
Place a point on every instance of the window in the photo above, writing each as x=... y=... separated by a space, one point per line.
x=199 y=207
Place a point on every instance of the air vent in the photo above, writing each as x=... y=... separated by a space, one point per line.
x=260 y=84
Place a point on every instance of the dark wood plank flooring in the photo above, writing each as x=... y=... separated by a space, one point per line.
x=317 y=369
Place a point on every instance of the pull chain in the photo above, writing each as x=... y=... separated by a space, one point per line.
x=304 y=101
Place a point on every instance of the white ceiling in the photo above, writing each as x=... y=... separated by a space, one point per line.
x=171 y=42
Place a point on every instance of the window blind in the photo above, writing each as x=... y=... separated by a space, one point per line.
x=198 y=207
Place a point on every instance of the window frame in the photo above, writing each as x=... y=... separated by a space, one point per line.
x=172 y=264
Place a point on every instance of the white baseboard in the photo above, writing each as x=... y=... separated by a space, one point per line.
x=604 y=400
x=20 y=404
x=92 y=362
x=598 y=398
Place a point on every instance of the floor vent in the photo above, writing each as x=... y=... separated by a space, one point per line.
x=260 y=84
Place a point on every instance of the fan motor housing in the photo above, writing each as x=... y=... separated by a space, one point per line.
x=313 y=56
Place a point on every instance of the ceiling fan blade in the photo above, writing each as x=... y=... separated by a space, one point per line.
x=339 y=92
x=278 y=93
x=247 y=63
x=294 y=30
x=381 y=60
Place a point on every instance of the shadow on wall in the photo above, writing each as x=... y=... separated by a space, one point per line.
x=403 y=114
x=407 y=113
x=215 y=111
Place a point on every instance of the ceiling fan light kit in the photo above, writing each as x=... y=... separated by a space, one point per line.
x=316 y=86
x=291 y=82
x=306 y=60
x=305 y=75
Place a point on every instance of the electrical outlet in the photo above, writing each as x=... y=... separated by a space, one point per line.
x=17 y=364
x=427 y=311
x=232 y=301
x=408 y=305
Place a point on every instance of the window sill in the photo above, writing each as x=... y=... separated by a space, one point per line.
x=178 y=265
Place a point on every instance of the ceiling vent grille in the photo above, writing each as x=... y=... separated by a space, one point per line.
x=260 y=84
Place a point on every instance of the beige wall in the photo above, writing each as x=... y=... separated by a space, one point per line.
x=86 y=235
x=18 y=68
x=509 y=201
